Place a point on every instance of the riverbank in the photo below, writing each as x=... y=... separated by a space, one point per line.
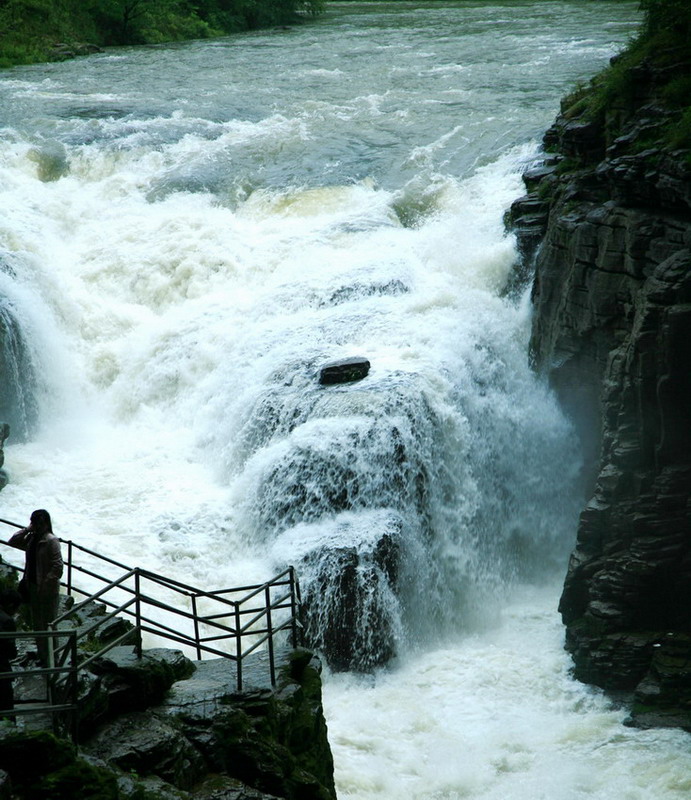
x=41 y=30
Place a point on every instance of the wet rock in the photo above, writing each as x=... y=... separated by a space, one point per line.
x=361 y=289
x=350 y=586
x=663 y=696
x=357 y=632
x=345 y=370
x=41 y=765
x=62 y=51
x=142 y=743
x=17 y=404
x=137 y=683
x=612 y=322
x=261 y=743
x=51 y=161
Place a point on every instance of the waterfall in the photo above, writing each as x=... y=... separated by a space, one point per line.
x=190 y=232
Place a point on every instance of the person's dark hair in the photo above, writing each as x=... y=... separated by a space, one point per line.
x=42 y=516
x=10 y=600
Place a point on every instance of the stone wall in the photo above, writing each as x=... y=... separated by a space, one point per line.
x=612 y=327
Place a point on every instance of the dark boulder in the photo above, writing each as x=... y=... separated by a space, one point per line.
x=349 y=584
x=147 y=745
x=346 y=370
x=137 y=683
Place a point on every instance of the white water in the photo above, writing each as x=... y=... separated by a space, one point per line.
x=228 y=216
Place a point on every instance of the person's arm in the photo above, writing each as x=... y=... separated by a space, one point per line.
x=20 y=539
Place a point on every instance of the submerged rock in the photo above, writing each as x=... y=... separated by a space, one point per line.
x=349 y=583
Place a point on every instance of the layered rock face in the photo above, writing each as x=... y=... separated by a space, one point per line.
x=612 y=329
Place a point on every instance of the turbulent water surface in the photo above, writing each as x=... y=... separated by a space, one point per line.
x=188 y=232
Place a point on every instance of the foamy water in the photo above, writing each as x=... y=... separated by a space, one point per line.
x=188 y=232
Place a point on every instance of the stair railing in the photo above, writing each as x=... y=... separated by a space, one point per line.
x=237 y=621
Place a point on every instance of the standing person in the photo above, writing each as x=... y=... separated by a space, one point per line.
x=10 y=600
x=42 y=573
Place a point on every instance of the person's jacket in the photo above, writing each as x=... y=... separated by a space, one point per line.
x=48 y=559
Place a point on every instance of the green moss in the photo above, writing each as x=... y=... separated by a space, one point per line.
x=43 y=767
x=79 y=779
x=568 y=165
x=655 y=68
x=679 y=133
x=678 y=91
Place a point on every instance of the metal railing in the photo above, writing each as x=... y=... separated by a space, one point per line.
x=60 y=685
x=231 y=627
x=231 y=623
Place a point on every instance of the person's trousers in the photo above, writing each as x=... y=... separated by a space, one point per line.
x=42 y=610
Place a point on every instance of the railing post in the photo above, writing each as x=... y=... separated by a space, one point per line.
x=270 y=632
x=74 y=687
x=69 y=567
x=51 y=677
x=294 y=607
x=138 y=612
x=238 y=646
x=196 y=627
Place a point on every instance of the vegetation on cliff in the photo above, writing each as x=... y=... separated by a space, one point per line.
x=656 y=67
x=42 y=30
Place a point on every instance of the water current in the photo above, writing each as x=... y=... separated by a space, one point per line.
x=187 y=232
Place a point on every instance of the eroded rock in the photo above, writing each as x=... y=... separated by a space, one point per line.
x=612 y=321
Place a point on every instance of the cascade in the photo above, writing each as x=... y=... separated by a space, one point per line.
x=194 y=232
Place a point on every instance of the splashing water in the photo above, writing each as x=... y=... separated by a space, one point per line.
x=191 y=232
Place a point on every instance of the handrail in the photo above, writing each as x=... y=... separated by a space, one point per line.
x=239 y=617
x=61 y=696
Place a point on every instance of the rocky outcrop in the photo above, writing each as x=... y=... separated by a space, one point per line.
x=180 y=730
x=349 y=598
x=611 y=207
x=269 y=740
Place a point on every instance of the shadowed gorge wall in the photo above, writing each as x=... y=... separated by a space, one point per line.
x=612 y=300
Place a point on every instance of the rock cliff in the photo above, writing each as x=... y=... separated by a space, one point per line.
x=165 y=728
x=606 y=224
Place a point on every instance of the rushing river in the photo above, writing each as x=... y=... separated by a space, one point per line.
x=188 y=232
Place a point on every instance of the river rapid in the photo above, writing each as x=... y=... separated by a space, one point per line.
x=187 y=232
